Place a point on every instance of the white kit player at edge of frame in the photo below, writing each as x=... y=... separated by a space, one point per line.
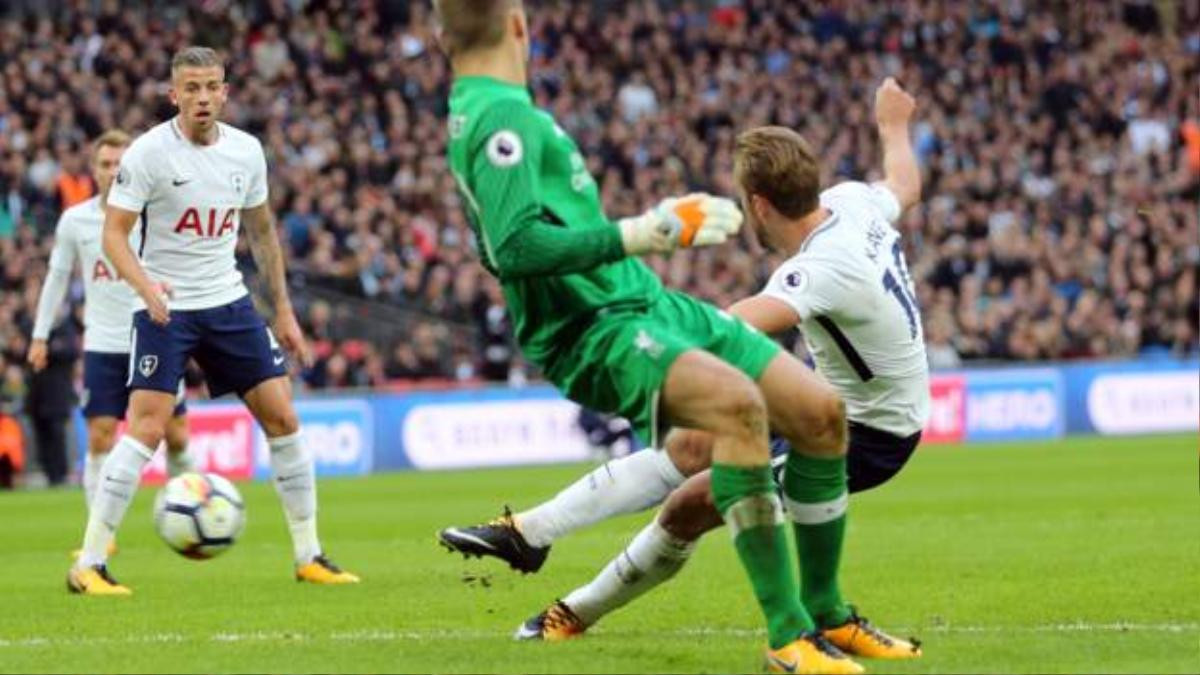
x=192 y=183
x=108 y=318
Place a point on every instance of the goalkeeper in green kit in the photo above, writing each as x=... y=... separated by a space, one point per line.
x=600 y=326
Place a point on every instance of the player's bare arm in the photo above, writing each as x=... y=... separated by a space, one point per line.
x=118 y=223
x=259 y=225
x=893 y=111
x=767 y=314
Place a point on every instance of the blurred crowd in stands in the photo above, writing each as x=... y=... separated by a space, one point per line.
x=1060 y=145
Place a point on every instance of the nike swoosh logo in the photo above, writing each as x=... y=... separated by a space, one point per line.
x=118 y=482
x=284 y=479
x=279 y=360
x=786 y=666
x=176 y=182
x=476 y=540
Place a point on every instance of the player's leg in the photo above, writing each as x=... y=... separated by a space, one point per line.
x=105 y=401
x=624 y=485
x=120 y=474
x=240 y=355
x=178 y=459
x=102 y=435
x=816 y=484
x=294 y=476
x=654 y=556
x=620 y=486
x=703 y=392
x=807 y=412
x=152 y=370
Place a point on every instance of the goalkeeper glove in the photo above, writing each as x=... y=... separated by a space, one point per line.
x=698 y=219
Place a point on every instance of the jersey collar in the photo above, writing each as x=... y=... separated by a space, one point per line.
x=178 y=131
x=475 y=82
x=825 y=225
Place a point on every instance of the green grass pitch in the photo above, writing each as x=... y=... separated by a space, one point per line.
x=1068 y=556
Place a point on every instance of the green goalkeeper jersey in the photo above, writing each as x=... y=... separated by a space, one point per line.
x=536 y=214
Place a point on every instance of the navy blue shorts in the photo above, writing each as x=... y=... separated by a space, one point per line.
x=106 y=386
x=230 y=343
x=873 y=457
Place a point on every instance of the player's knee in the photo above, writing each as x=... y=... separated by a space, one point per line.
x=280 y=423
x=177 y=435
x=829 y=434
x=102 y=435
x=690 y=512
x=148 y=429
x=741 y=407
x=690 y=451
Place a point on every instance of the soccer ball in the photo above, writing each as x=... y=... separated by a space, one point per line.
x=199 y=515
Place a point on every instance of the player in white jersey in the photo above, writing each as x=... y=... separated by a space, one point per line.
x=108 y=316
x=190 y=183
x=847 y=286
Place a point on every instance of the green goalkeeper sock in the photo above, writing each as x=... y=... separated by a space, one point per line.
x=814 y=490
x=746 y=498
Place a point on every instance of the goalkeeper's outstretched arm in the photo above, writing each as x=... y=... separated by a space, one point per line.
x=520 y=233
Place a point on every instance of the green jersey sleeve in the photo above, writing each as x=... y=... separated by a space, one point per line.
x=521 y=237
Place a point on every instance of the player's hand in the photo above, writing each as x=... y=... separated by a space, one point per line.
x=156 y=297
x=698 y=219
x=893 y=105
x=291 y=338
x=37 y=355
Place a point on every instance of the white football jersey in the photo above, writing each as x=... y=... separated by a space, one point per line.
x=108 y=301
x=191 y=197
x=850 y=285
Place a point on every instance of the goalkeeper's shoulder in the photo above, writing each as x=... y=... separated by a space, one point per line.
x=507 y=114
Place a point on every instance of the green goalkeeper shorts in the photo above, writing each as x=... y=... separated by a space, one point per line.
x=619 y=363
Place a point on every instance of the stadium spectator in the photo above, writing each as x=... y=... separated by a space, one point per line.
x=1060 y=144
x=50 y=399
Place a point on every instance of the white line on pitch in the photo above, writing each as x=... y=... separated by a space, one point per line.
x=377 y=635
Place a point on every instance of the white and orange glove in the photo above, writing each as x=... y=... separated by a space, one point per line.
x=698 y=219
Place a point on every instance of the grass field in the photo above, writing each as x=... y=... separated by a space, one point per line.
x=1072 y=556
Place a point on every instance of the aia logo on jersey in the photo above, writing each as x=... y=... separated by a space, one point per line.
x=213 y=227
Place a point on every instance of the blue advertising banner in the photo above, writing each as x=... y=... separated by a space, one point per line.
x=478 y=427
x=1149 y=396
x=355 y=434
x=1014 y=405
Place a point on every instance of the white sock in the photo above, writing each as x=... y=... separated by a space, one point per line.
x=631 y=483
x=295 y=481
x=652 y=557
x=179 y=462
x=91 y=475
x=119 y=478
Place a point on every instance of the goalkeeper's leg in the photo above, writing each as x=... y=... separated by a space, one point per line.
x=807 y=412
x=702 y=392
x=656 y=555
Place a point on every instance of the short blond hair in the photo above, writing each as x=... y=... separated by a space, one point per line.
x=196 y=57
x=113 y=138
x=464 y=25
x=778 y=164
